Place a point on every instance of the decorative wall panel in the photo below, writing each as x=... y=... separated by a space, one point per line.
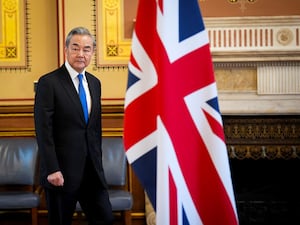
x=278 y=79
x=114 y=47
x=13 y=34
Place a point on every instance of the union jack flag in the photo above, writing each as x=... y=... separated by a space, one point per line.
x=173 y=131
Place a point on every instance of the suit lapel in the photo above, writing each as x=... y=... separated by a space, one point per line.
x=92 y=93
x=68 y=85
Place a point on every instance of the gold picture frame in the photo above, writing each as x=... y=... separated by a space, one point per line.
x=12 y=37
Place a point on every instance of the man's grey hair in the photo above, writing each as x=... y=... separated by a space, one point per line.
x=79 y=31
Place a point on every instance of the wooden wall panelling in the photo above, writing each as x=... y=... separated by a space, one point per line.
x=16 y=120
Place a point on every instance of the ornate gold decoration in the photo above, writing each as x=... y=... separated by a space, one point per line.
x=242 y=3
x=112 y=4
x=12 y=40
x=262 y=137
x=112 y=50
x=115 y=49
x=262 y=152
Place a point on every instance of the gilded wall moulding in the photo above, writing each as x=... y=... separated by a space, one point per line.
x=12 y=39
x=115 y=47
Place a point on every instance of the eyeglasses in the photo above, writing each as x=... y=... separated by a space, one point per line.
x=76 y=50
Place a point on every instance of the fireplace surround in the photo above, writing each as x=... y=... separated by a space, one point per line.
x=264 y=153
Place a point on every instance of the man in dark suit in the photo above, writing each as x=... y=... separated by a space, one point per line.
x=70 y=144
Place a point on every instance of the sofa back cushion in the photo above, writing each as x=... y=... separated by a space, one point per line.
x=114 y=160
x=18 y=160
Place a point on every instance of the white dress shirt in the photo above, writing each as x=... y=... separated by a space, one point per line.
x=73 y=73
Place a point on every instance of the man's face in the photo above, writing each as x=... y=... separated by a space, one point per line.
x=79 y=52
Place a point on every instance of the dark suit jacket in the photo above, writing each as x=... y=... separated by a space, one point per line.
x=63 y=137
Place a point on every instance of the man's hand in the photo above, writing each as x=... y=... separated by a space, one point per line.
x=56 y=179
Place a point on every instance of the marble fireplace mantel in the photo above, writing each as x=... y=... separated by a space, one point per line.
x=268 y=88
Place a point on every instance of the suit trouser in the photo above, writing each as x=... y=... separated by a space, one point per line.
x=93 y=199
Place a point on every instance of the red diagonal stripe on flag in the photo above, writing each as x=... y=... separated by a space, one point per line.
x=215 y=126
x=173 y=201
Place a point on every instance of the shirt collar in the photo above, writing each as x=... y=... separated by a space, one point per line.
x=73 y=73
